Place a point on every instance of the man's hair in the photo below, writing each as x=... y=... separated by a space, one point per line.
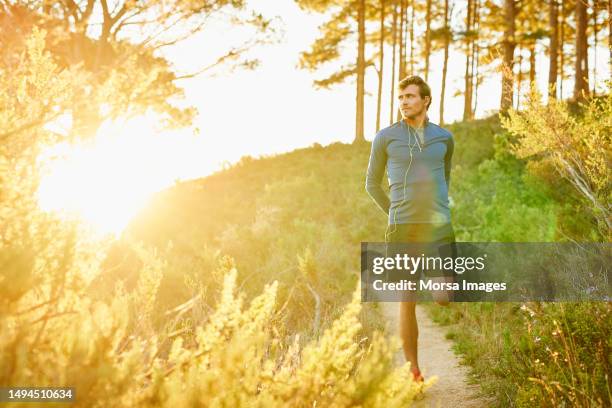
x=424 y=89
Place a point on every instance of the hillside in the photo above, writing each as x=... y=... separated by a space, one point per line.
x=299 y=217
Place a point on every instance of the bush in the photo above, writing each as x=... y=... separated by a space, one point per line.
x=497 y=202
x=577 y=147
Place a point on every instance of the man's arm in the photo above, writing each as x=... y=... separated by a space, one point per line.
x=450 y=148
x=376 y=169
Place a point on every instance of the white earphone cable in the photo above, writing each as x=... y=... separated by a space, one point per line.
x=411 y=146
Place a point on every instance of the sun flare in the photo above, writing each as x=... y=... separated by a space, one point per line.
x=107 y=180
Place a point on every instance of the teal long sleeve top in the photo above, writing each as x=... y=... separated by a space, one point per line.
x=418 y=166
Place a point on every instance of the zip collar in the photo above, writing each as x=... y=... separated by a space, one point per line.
x=433 y=138
x=425 y=123
x=415 y=132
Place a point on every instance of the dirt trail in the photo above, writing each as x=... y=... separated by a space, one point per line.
x=436 y=358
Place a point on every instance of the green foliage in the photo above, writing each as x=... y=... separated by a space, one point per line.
x=498 y=203
x=493 y=199
x=540 y=354
x=569 y=354
x=535 y=354
x=474 y=141
x=577 y=147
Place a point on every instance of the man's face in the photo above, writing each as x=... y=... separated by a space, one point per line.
x=411 y=103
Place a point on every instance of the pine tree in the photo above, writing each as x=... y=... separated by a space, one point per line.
x=469 y=55
x=428 y=19
x=531 y=27
x=553 y=48
x=326 y=48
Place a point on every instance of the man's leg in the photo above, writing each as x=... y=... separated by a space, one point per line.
x=409 y=333
x=442 y=297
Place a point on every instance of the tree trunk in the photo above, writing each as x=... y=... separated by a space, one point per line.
x=402 y=48
x=467 y=96
x=359 y=114
x=405 y=62
x=595 y=6
x=402 y=42
x=445 y=65
x=561 y=50
x=411 y=37
x=476 y=50
x=380 y=63
x=519 y=79
x=610 y=32
x=509 y=43
x=427 y=38
x=581 y=83
x=532 y=64
x=553 y=25
x=394 y=30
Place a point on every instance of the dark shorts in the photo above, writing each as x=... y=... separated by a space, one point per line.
x=429 y=240
x=420 y=233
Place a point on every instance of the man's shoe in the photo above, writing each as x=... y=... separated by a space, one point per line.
x=417 y=376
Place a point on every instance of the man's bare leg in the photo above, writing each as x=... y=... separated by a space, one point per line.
x=443 y=297
x=409 y=333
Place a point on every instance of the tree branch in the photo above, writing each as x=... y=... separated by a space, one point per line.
x=88 y=10
x=230 y=55
x=72 y=9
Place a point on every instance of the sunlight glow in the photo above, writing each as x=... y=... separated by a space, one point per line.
x=107 y=180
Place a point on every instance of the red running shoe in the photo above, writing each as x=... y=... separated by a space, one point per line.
x=417 y=376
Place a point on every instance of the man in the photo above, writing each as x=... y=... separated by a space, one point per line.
x=417 y=154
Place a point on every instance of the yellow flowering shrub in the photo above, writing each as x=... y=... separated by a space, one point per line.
x=56 y=331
